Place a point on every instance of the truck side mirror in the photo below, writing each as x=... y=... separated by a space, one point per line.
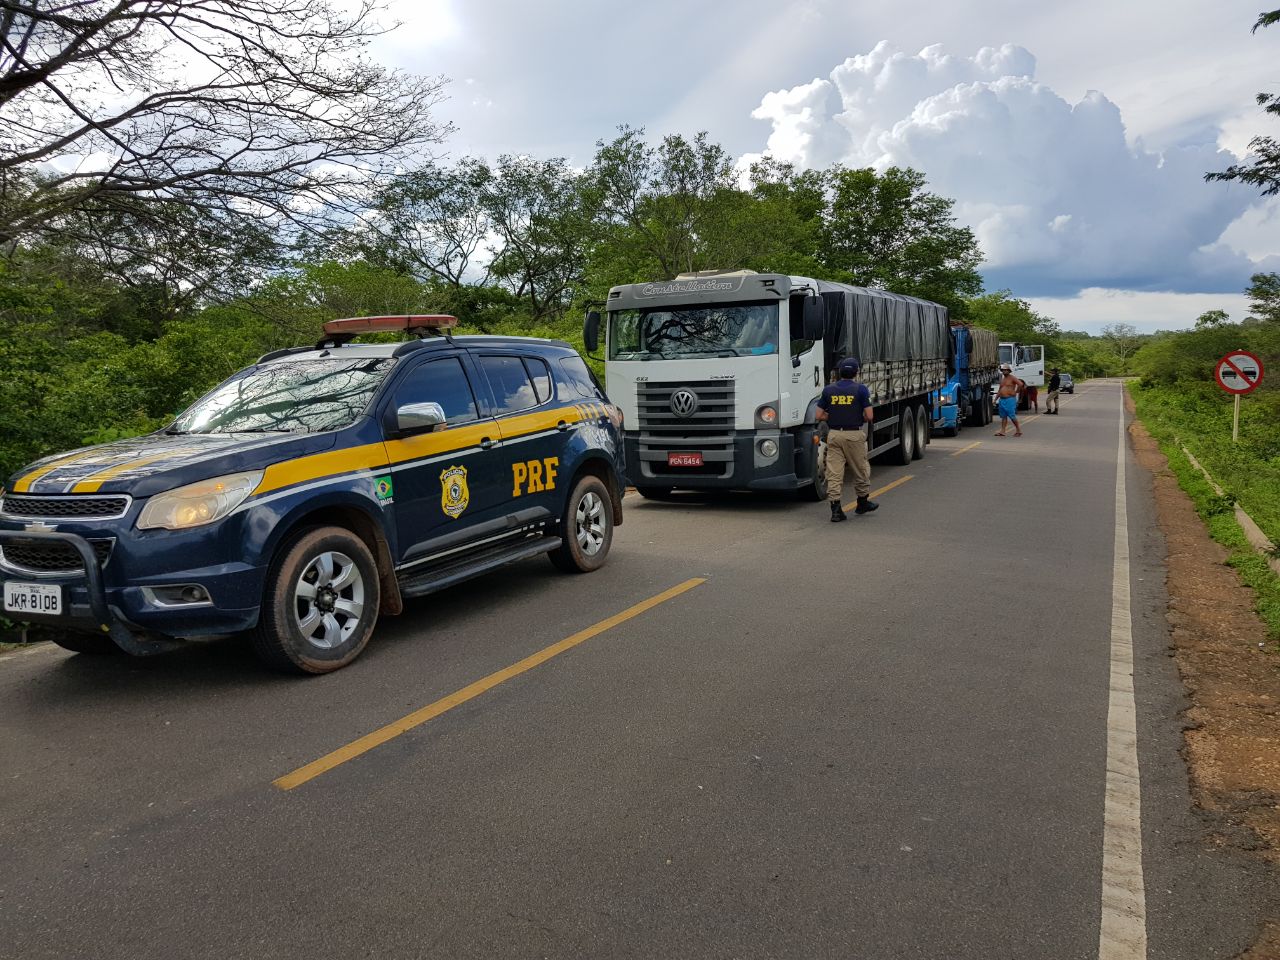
x=814 y=318
x=591 y=331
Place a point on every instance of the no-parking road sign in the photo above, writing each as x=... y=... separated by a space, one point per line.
x=1239 y=372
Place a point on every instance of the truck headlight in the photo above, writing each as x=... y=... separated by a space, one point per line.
x=769 y=448
x=198 y=503
x=767 y=416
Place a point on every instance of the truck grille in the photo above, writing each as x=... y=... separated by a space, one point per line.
x=667 y=426
x=38 y=507
x=713 y=416
x=52 y=557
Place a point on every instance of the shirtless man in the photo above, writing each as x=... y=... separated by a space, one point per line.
x=1008 y=403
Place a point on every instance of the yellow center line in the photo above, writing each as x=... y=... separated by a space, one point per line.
x=976 y=443
x=885 y=489
x=392 y=730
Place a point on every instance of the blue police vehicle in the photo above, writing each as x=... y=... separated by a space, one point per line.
x=315 y=490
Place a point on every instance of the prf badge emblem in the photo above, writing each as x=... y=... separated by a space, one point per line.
x=454 y=495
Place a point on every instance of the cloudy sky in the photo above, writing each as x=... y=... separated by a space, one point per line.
x=1073 y=137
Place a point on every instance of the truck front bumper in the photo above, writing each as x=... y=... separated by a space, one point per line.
x=736 y=462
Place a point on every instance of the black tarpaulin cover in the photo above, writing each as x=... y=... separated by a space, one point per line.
x=876 y=325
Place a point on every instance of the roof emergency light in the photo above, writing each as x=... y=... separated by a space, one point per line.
x=348 y=328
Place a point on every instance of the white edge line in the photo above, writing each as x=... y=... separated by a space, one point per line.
x=1123 y=934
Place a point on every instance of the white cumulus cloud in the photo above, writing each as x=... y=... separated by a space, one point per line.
x=1058 y=197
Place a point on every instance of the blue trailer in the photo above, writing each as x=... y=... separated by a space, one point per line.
x=974 y=367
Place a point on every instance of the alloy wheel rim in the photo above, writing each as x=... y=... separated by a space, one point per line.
x=589 y=524
x=328 y=599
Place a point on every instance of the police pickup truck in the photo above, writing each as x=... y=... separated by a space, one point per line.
x=316 y=489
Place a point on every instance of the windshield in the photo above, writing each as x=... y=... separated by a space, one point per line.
x=302 y=396
x=726 y=330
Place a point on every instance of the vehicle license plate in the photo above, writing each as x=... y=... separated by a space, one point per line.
x=684 y=459
x=32 y=598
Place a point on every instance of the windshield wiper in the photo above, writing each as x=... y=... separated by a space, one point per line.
x=261 y=430
x=176 y=433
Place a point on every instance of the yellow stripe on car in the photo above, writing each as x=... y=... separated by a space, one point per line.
x=94 y=481
x=24 y=484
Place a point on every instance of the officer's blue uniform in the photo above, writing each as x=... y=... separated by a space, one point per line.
x=845 y=403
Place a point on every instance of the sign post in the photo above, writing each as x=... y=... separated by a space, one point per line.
x=1238 y=373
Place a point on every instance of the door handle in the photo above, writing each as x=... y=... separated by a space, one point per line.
x=562 y=426
x=486 y=444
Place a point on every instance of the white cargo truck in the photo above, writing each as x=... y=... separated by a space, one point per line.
x=718 y=375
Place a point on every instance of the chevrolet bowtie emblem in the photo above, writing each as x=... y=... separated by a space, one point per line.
x=39 y=527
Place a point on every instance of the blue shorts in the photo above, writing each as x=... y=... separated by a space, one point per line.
x=1008 y=407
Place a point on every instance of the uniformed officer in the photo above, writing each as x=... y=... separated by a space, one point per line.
x=846 y=407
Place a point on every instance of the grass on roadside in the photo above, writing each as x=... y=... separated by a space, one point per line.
x=1218 y=514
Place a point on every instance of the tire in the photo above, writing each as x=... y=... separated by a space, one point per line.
x=904 y=452
x=98 y=645
x=817 y=489
x=654 y=493
x=320 y=603
x=586 y=529
x=922 y=432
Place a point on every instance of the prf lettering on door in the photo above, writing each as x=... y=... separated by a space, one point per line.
x=534 y=476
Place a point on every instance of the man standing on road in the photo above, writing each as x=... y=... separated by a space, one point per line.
x=1055 y=384
x=1008 y=402
x=846 y=407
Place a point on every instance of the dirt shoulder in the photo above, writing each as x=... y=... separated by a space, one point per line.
x=1232 y=741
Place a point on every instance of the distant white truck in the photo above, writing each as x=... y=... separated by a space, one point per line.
x=1027 y=360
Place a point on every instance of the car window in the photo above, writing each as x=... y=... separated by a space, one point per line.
x=512 y=389
x=540 y=374
x=442 y=381
x=574 y=375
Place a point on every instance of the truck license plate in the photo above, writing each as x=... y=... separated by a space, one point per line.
x=41 y=598
x=684 y=459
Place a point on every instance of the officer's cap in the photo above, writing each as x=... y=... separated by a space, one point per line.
x=848 y=366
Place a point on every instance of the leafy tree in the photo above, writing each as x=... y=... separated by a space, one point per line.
x=542 y=214
x=431 y=223
x=663 y=209
x=1123 y=339
x=260 y=111
x=1264 y=170
x=886 y=230
x=1212 y=318
x=1011 y=318
x=1264 y=296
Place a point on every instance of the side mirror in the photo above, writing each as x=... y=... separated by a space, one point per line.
x=418 y=417
x=814 y=318
x=591 y=331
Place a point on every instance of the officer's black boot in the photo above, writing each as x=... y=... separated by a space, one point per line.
x=837 y=512
x=866 y=505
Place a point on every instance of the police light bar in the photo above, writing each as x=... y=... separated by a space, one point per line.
x=357 y=325
x=337 y=332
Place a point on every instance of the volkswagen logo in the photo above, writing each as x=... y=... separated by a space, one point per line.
x=684 y=402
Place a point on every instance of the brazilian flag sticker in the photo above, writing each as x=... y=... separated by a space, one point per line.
x=382 y=487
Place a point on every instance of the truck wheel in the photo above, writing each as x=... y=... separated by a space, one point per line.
x=320 y=604
x=586 y=529
x=92 y=643
x=904 y=452
x=922 y=432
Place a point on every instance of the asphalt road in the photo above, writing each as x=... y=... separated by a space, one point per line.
x=880 y=739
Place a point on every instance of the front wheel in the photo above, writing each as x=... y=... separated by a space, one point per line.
x=320 y=604
x=586 y=529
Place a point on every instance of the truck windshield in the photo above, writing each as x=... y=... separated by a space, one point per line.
x=303 y=396
x=663 y=333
